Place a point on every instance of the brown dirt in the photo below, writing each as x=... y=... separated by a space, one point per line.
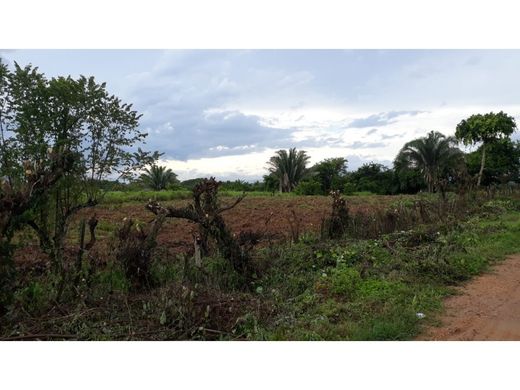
x=176 y=236
x=487 y=309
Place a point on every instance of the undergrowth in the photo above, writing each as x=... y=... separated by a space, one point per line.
x=365 y=288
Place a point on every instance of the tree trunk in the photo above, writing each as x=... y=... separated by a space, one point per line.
x=482 y=162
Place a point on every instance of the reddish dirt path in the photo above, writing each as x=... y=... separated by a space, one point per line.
x=487 y=309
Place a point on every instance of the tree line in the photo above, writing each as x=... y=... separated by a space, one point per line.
x=431 y=163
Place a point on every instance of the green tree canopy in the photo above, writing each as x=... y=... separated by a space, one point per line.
x=42 y=118
x=158 y=177
x=372 y=177
x=502 y=162
x=485 y=128
x=433 y=155
x=330 y=173
x=289 y=167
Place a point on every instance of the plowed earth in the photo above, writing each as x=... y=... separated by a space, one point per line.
x=271 y=215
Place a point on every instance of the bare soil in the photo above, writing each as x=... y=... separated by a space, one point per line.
x=270 y=215
x=488 y=307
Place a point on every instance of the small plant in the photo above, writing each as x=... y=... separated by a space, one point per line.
x=336 y=225
x=344 y=280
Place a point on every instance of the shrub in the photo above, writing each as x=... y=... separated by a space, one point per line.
x=308 y=188
x=344 y=280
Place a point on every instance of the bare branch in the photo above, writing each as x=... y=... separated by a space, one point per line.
x=237 y=201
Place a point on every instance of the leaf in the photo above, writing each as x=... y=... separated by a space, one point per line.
x=162 y=320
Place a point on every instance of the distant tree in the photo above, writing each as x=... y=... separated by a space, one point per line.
x=190 y=184
x=488 y=129
x=372 y=177
x=289 y=167
x=407 y=179
x=432 y=155
x=330 y=173
x=270 y=183
x=236 y=185
x=158 y=177
x=502 y=162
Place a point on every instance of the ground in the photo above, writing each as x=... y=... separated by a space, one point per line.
x=486 y=308
x=270 y=214
x=356 y=287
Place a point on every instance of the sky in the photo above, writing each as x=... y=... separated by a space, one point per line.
x=225 y=112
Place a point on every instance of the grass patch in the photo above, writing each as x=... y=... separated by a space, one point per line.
x=365 y=290
x=119 y=197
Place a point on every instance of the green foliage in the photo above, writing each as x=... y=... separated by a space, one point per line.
x=502 y=162
x=243 y=186
x=434 y=156
x=158 y=178
x=289 y=168
x=407 y=179
x=372 y=177
x=344 y=280
x=308 y=187
x=488 y=129
x=75 y=120
x=330 y=173
x=349 y=188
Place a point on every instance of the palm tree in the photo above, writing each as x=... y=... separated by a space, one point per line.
x=158 y=178
x=289 y=167
x=433 y=155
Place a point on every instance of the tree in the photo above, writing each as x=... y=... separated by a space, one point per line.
x=372 y=177
x=76 y=118
x=158 y=177
x=502 y=162
x=433 y=155
x=289 y=167
x=407 y=179
x=330 y=173
x=488 y=129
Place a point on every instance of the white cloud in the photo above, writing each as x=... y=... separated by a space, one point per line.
x=225 y=112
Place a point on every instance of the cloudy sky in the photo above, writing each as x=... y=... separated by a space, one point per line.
x=224 y=112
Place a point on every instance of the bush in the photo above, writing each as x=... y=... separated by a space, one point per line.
x=349 y=189
x=344 y=280
x=308 y=188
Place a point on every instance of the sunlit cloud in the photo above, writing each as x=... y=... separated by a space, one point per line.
x=224 y=113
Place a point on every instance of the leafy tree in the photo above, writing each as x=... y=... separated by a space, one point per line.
x=488 y=129
x=289 y=167
x=158 y=177
x=308 y=187
x=270 y=183
x=502 y=162
x=433 y=155
x=407 y=179
x=372 y=177
x=190 y=184
x=76 y=118
x=330 y=173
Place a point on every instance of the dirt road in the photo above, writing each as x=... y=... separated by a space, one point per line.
x=488 y=307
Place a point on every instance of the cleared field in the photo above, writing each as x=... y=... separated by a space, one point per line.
x=272 y=215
